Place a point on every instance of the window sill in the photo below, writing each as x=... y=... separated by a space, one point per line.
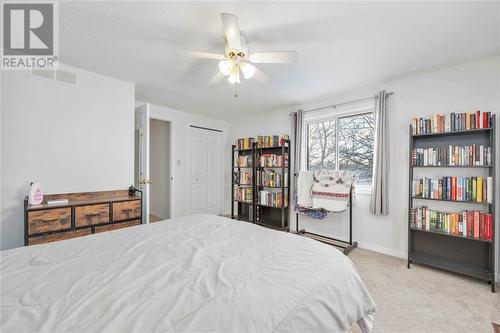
x=363 y=190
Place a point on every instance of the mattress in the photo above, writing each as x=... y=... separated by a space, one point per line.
x=189 y=274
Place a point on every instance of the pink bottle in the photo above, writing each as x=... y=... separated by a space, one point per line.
x=35 y=195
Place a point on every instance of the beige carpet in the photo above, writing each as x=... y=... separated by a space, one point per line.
x=423 y=299
x=154 y=218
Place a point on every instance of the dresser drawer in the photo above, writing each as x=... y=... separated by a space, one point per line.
x=91 y=214
x=58 y=236
x=125 y=210
x=115 y=226
x=40 y=221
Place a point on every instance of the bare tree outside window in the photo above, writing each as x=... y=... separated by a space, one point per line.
x=321 y=145
x=353 y=151
x=355 y=146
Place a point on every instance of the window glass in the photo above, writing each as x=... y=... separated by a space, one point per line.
x=321 y=145
x=343 y=143
x=355 y=145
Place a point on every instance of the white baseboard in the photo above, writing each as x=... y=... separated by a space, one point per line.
x=383 y=250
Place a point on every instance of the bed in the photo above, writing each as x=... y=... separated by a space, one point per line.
x=188 y=274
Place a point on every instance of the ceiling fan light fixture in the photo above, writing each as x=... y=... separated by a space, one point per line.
x=247 y=69
x=234 y=77
x=226 y=66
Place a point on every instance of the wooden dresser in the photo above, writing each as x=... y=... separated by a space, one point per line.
x=85 y=213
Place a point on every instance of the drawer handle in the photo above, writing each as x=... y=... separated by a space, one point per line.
x=52 y=220
x=126 y=210
x=92 y=215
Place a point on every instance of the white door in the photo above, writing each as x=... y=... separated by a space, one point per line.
x=141 y=165
x=205 y=170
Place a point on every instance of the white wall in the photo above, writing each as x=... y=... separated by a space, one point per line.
x=467 y=87
x=179 y=125
x=69 y=138
x=159 y=165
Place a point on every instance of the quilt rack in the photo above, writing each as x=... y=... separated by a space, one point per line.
x=346 y=246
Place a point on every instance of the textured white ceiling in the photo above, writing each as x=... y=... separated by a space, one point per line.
x=341 y=46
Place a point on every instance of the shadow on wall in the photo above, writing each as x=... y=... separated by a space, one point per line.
x=11 y=214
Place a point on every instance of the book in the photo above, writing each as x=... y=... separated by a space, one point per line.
x=266 y=141
x=451 y=122
x=452 y=155
x=469 y=189
x=243 y=194
x=272 y=178
x=468 y=223
x=245 y=143
x=272 y=160
x=273 y=199
x=244 y=161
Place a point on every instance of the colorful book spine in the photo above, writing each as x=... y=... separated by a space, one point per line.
x=245 y=143
x=243 y=194
x=469 y=189
x=272 y=199
x=265 y=141
x=471 y=155
x=472 y=224
x=451 y=122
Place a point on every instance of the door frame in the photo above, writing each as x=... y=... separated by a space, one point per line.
x=145 y=153
x=172 y=154
x=222 y=156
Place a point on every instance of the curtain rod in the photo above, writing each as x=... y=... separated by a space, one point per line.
x=338 y=104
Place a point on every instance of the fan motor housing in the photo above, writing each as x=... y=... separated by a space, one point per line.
x=234 y=53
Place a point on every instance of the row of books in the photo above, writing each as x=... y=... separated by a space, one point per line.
x=273 y=199
x=264 y=141
x=245 y=143
x=271 y=178
x=242 y=177
x=451 y=155
x=471 y=189
x=243 y=161
x=451 y=122
x=469 y=223
x=272 y=160
x=244 y=194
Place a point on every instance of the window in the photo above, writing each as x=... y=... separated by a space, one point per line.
x=341 y=142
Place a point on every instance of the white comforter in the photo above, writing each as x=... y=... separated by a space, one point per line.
x=190 y=274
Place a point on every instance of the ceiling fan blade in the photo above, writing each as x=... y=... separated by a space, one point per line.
x=278 y=57
x=202 y=55
x=217 y=77
x=260 y=76
x=232 y=30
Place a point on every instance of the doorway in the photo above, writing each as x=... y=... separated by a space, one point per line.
x=159 y=170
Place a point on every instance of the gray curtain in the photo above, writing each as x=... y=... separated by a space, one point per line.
x=296 y=126
x=379 y=204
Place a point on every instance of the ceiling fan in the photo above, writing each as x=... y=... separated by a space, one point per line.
x=237 y=59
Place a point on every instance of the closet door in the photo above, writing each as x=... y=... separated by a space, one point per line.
x=205 y=171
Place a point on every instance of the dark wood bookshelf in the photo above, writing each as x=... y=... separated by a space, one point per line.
x=262 y=214
x=455 y=253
